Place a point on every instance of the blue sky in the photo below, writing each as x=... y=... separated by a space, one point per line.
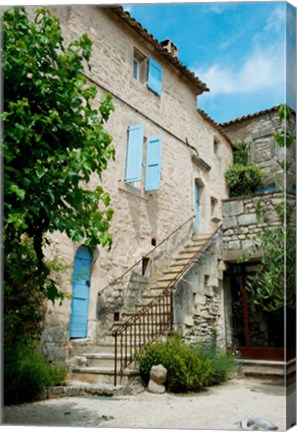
x=237 y=49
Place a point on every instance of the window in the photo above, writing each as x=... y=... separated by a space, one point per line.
x=139 y=67
x=147 y=71
x=216 y=145
x=136 y=69
x=134 y=160
x=213 y=205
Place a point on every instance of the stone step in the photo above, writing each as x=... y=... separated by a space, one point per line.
x=184 y=254
x=102 y=360
x=202 y=237
x=191 y=249
x=102 y=375
x=106 y=347
x=262 y=368
x=181 y=260
x=168 y=277
x=129 y=315
x=176 y=267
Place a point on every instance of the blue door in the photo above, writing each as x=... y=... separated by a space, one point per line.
x=80 y=293
x=196 y=207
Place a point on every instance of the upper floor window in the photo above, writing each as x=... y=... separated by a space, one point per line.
x=134 y=160
x=147 y=71
x=139 y=66
x=216 y=146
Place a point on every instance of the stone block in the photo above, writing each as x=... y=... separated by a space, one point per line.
x=229 y=222
x=234 y=245
x=232 y=208
x=247 y=219
x=158 y=376
x=188 y=321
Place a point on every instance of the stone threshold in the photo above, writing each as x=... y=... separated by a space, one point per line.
x=74 y=389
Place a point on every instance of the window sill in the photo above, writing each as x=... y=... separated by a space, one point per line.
x=133 y=190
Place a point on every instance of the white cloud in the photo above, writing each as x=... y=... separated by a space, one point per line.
x=261 y=70
x=127 y=8
x=276 y=21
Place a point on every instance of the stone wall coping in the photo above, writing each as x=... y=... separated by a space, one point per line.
x=257 y=195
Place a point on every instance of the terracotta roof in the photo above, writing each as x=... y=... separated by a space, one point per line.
x=215 y=125
x=250 y=116
x=135 y=25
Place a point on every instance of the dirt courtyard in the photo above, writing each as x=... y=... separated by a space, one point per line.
x=216 y=408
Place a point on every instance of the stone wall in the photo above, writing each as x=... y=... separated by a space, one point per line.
x=198 y=298
x=244 y=217
x=258 y=131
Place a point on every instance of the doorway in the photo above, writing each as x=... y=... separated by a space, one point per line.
x=80 y=293
x=254 y=332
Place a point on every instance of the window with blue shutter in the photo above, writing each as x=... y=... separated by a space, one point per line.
x=153 y=162
x=154 y=76
x=134 y=154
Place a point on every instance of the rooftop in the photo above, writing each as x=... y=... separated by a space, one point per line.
x=250 y=116
x=136 y=26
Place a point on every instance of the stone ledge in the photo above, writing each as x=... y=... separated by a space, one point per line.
x=85 y=389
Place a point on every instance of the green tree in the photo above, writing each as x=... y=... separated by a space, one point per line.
x=54 y=141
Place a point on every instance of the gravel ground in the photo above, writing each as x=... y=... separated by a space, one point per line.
x=216 y=408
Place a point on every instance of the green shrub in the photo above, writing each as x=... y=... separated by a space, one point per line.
x=242 y=153
x=243 y=179
x=221 y=363
x=27 y=374
x=189 y=368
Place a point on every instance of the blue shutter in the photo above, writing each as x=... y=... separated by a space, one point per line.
x=154 y=76
x=153 y=161
x=134 y=154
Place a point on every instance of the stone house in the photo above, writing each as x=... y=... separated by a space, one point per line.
x=166 y=187
x=258 y=334
x=169 y=266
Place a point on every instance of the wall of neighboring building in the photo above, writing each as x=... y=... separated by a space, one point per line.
x=244 y=217
x=258 y=131
x=140 y=216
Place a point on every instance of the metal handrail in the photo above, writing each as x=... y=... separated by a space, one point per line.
x=144 y=256
x=165 y=310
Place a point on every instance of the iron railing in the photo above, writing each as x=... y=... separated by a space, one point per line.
x=152 y=321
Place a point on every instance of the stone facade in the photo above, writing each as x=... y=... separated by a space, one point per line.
x=193 y=152
x=258 y=131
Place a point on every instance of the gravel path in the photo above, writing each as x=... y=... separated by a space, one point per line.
x=215 y=408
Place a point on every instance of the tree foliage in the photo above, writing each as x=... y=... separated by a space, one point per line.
x=54 y=139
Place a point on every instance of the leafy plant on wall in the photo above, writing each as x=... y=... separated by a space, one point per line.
x=242 y=177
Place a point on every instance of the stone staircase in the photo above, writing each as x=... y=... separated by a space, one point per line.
x=268 y=369
x=97 y=367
